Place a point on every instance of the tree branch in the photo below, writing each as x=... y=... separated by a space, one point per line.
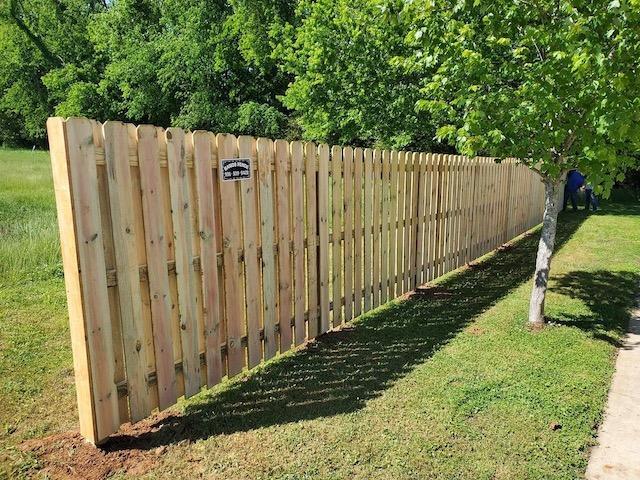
x=35 y=39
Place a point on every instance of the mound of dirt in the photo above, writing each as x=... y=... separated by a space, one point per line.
x=68 y=455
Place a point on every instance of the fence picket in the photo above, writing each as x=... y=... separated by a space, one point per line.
x=347 y=165
x=250 y=239
x=202 y=161
x=231 y=244
x=267 y=233
x=336 y=233
x=182 y=234
x=416 y=220
x=377 y=239
x=311 y=189
x=155 y=244
x=323 y=234
x=297 y=226
x=283 y=212
x=91 y=263
x=357 y=231
x=368 y=225
x=393 y=223
x=116 y=148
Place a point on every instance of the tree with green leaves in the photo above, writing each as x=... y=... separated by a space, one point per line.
x=555 y=83
x=347 y=87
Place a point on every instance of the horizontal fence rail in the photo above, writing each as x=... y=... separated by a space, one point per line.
x=177 y=278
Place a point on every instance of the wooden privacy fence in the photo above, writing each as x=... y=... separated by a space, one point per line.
x=177 y=278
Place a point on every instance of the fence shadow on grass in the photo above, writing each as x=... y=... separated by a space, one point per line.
x=342 y=370
x=608 y=295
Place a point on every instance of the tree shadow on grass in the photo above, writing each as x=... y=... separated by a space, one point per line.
x=607 y=208
x=341 y=371
x=608 y=295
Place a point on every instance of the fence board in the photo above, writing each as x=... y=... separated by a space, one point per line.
x=336 y=230
x=409 y=220
x=368 y=222
x=323 y=234
x=393 y=223
x=347 y=165
x=379 y=238
x=283 y=212
x=182 y=234
x=311 y=192
x=298 y=227
x=267 y=233
x=202 y=161
x=385 y=230
x=250 y=239
x=91 y=264
x=357 y=235
x=400 y=224
x=116 y=147
x=155 y=244
x=416 y=215
x=231 y=244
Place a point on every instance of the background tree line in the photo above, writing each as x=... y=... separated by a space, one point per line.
x=323 y=70
x=552 y=82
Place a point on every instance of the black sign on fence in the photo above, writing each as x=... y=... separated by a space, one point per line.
x=236 y=169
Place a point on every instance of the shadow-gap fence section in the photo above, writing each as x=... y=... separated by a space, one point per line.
x=178 y=277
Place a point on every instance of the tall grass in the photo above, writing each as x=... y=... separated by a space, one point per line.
x=29 y=244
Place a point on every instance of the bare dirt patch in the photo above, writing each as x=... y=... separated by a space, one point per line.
x=130 y=451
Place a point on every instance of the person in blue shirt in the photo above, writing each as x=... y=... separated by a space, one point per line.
x=574 y=181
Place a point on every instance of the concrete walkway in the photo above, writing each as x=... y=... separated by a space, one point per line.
x=617 y=455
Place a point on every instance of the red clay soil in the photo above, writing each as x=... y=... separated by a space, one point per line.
x=68 y=455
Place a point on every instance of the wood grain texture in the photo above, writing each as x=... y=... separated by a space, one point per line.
x=336 y=233
x=92 y=271
x=323 y=234
x=185 y=275
x=203 y=142
x=116 y=146
x=283 y=211
x=250 y=240
x=298 y=227
x=267 y=233
x=311 y=194
x=231 y=215
x=357 y=231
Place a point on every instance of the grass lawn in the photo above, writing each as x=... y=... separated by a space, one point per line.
x=446 y=385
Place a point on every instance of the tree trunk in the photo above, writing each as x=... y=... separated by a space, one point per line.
x=545 y=250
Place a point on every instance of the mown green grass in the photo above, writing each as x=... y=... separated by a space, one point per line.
x=452 y=385
x=36 y=376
